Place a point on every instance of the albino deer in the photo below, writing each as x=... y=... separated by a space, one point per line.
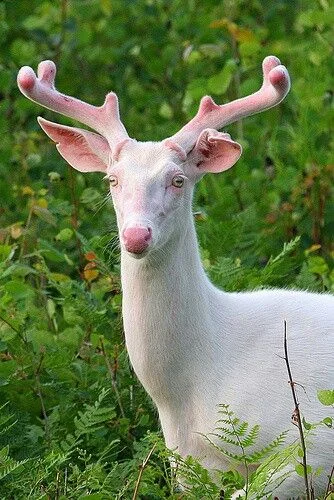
x=192 y=345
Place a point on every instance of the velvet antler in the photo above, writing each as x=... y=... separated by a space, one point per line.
x=276 y=84
x=104 y=119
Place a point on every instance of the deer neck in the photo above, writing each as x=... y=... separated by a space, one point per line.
x=166 y=312
x=168 y=278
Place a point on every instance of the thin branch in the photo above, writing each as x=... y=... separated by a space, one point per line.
x=329 y=488
x=16 y=330
x=296 y=413
x=141 y=470
x=40 y=395
x=112 y=378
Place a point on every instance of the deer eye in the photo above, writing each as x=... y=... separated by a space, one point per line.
x=113 y=180
x=178 y=181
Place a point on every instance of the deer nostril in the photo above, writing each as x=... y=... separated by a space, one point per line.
x=148 y=237
x=137 y=239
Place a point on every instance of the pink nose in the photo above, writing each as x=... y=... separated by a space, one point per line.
x=137 y=239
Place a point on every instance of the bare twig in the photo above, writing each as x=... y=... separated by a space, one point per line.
x=40 y=395
x=112 y=378
x=141 y=470
x=10 y=325
x=296 y=414
x=14 y=328
x=329 y=488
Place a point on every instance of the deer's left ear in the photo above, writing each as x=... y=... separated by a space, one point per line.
x=214 y=152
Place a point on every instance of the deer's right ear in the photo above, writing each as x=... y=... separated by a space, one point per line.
x=214 y=152
x=83 y=150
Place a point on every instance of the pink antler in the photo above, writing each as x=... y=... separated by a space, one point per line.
x=104 y=119
x=276 y=84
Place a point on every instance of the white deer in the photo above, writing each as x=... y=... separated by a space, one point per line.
x=192 y=345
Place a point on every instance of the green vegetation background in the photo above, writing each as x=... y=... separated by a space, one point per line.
x=81 y=416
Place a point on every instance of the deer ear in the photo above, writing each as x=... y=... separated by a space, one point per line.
x=83 y=150
x=214 y=152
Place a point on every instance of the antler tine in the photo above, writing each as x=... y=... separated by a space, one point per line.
x=276 y=85
x=104 y=119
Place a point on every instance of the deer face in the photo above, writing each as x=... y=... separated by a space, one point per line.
x=152 y=184
x=150 y=191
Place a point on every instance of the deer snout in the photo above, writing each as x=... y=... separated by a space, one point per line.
x=137 y=239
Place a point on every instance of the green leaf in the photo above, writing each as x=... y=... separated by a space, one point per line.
x=166 y=111
x=51 y=308
x=65 y=234
x=18 y=270
x=328 y=421
x=317 y=265
x=326 y=397
x=45 y=214
x=218 y=84
x=5 y=252
x=299 y=468
x=18 y=289
x=90 y=196
x=50 y=252
x=306 y=425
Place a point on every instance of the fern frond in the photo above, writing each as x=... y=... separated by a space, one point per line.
x=263 y=452
x=251 y=438
x=225 y=439
x=287 y=248
x=10 y=466
x=234 y=456
x=242 y=429
x=6 y=429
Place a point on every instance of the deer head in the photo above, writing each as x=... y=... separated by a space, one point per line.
x=149 y=181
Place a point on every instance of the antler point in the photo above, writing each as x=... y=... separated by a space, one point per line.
x=26 y=78
x=207 y=104
x=278 y=75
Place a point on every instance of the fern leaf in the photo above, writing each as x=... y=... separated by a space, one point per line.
x=251 y=438
x=225 y=439
x=263 y=452
x=10 y=466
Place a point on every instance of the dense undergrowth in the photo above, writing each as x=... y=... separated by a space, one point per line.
x=74 y=421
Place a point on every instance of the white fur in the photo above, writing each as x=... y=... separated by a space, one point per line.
x=194 y=346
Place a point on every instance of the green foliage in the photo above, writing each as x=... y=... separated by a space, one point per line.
x=76 y=421
x=326 y=397
x=235 y=440
x=232 y=431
